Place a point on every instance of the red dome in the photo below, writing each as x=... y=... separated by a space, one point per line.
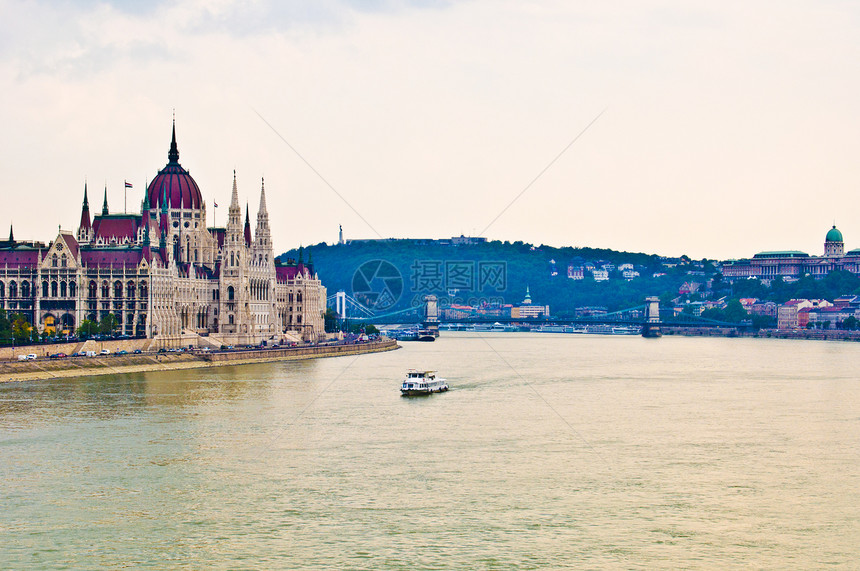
x=175 y=182
x=179 y=186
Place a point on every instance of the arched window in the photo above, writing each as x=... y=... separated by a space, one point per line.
x=54 y=261
x=230 y=319
x=63 y=261
x=45 y=288
x=117 y=289
x=91 y=290
x=73 y=289
x=144 y=291
x=232 y=259
x=2 y=290
x=130 y=289
x=53 y=289
x=299 y=297
x=230 y=294
x=105 y=289
x=63 y=291
x=25 y=289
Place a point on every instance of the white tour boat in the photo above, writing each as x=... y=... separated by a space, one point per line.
x=422 y=383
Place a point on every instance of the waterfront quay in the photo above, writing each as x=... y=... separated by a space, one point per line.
x=114 y=364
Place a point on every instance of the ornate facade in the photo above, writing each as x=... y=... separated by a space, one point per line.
x=164 y=274
x=793 y=264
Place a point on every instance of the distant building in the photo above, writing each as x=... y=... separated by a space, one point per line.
x=527 y=310
x=575 y=272
x=589 y=311
x=793 y=264
x=787 y=316
x=600 y=275
x=763 y=308
x=834 y=316
x=465 y=240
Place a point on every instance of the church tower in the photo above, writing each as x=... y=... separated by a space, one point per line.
x=85 y=228
x=264 y=261
x=263 y=235
x=234 y=309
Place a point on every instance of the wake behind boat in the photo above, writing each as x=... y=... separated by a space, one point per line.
x=422 y=383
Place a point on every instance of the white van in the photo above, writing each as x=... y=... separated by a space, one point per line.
x=91 y=353
x=22 y=357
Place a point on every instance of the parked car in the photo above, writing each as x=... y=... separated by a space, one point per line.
x=91 y=353
x=122 y=352
x=137 y=351
x=22 y=357
x=58 y=356
x=104 y=352
x=32 y=357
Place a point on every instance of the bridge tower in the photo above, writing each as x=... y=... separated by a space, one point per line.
x=651 y=327
x=431 y=315
x=340 y=304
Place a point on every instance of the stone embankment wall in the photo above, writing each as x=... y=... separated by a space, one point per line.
x=121 y=364
x=827 y=335
x=41 y=351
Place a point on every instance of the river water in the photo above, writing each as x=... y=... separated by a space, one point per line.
x=549 y=451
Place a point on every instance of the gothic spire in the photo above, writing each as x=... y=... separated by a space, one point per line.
x=105 y=205
x=234 y=199
x=247 y=226
x=173 y=153
x=263 y=198
x=262 y=233
x=163 y=198
x=86 y=222
x=11 y=235
x=234 y=213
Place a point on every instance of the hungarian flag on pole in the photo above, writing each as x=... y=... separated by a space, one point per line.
x=128 y=185
x=216 y=204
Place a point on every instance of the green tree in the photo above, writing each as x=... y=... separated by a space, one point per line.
x=21 y=329
x=108 y=324
x=735 y=312
x=330 y=320
x=5 y=329
x=87 y=328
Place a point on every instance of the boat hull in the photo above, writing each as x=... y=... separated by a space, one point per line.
x=421 y=392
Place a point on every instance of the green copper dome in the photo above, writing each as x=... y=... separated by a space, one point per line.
x=833 y=235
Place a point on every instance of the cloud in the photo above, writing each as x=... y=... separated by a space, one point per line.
x=450 y=109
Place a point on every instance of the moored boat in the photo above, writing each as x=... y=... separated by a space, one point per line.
x=422 y=383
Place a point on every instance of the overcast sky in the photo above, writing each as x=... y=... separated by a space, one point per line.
x=727 y=127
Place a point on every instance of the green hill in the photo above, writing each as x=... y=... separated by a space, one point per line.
x=389 y=275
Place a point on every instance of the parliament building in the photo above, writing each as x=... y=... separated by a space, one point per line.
x=164 y=274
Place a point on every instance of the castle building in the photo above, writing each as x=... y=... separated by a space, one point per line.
x=793 y=264
x=164 y=274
